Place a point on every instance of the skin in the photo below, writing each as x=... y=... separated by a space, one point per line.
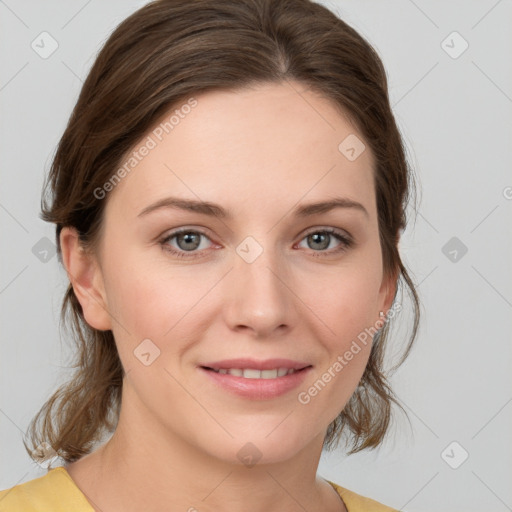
x=258 y=152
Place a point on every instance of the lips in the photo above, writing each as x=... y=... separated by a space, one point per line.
x=267 y=364
x=257 y=379
x=253 y=373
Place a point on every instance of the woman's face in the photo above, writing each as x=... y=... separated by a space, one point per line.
x=250 y=278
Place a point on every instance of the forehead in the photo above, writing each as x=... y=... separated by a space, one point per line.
x=250 y=148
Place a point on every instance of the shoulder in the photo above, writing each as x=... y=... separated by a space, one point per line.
x=54 y=491
x=358 y=503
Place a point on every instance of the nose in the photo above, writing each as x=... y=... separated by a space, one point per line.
x=259 y=294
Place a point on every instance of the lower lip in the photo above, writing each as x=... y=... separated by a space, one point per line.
x=258 y=389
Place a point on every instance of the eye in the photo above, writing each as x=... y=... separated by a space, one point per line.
x=188 y=242
x=320 y=240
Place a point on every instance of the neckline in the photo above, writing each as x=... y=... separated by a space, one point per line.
x=337 y=488
x=74 y=486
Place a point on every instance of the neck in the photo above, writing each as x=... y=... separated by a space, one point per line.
x=135 y=471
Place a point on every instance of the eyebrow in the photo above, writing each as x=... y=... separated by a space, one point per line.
x=215 y=210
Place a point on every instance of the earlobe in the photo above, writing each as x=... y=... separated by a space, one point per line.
x=387 y=293
x=85 y=276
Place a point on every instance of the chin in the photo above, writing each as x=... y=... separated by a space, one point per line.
x=256 y=447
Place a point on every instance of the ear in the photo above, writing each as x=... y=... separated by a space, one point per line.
x=85 y=276
x=387 y=291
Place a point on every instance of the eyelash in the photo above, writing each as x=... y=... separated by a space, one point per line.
x=346 y=243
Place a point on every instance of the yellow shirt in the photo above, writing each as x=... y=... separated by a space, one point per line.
x=57 y=492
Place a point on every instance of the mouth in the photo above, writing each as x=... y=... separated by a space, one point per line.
x=257 y=380
x=254 y=373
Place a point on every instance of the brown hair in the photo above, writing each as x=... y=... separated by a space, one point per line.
x=165 y=52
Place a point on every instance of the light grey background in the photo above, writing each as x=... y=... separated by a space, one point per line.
x=456 y=117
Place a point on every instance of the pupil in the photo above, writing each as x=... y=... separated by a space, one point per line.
x=316 y=237
x=188 y=238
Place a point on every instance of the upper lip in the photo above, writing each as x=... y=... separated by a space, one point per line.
x=267 y=364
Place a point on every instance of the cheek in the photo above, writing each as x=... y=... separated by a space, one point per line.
x=151 y=299
x=150 y=305
x=347 y=301
x=346 y=305
x=347 y=314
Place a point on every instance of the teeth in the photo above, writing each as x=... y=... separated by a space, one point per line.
x=251 y=373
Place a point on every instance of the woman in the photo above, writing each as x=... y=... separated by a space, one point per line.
x=260 y=134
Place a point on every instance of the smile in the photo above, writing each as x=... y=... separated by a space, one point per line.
x=256 y=380
x=252 y=373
